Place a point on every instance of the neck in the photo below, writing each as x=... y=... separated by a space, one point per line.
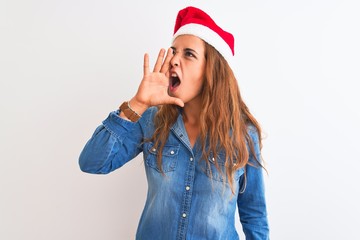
x=191 y=112
x=191 y=118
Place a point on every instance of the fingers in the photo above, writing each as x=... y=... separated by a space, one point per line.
x=159 y=60
x=166 y=65
x=161 y=65
x=146 y=64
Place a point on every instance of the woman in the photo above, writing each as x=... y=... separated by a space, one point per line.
x=201 y=145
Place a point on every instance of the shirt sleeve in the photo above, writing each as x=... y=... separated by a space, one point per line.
x=113 y=144
x=251 y=199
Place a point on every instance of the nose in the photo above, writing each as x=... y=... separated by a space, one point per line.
x=174 y=61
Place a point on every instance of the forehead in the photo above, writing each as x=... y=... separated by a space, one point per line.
x=189 y=41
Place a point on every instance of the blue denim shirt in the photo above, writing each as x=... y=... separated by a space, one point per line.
x=187 y=202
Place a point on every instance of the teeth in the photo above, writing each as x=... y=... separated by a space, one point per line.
x=174 y=75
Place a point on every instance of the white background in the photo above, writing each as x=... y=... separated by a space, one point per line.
x=64 y=65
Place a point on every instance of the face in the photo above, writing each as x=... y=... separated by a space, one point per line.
x=187 y=68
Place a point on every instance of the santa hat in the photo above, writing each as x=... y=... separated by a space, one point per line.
x=194 y=21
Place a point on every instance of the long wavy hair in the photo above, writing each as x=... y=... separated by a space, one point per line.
x=224 y=119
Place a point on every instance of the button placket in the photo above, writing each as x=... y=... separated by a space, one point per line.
x=187 y=199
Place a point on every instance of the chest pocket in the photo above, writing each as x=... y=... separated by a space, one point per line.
x=169 y=157
x=213 y=173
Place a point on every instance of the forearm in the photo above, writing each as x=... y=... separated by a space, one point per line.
x=113 y=144
x=252 y=205
x=136 y=108
x=251 y=202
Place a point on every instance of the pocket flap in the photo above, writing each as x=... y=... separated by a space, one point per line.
x=168 y=150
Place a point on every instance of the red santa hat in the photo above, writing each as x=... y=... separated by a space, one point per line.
x=194 y=21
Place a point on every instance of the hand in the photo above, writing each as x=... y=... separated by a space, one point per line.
x=153 y=89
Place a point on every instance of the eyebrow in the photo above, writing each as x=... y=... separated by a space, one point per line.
x=186 y=49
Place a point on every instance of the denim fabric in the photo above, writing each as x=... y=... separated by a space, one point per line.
x=190 y=200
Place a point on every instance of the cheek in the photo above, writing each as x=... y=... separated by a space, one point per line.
x=196 y=74
x=200 y=81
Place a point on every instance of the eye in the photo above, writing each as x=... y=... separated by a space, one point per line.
x=189 y=54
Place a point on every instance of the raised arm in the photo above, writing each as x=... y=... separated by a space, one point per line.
x=118 y=140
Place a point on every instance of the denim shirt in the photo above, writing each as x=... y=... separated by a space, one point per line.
x=189 y=201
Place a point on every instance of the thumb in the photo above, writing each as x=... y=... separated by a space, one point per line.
x=176 y=101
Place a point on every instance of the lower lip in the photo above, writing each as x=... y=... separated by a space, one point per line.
x=173 y=89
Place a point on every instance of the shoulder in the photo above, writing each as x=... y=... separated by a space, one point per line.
x=149 y=114
x=254 y=145
x=253 y=133
x=146 y=122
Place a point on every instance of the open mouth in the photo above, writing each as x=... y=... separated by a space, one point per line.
x=174 y=81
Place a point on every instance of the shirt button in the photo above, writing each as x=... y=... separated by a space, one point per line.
x=191 y=159
x=154 y=149
x=213 y=159
x=172 y=152
x=187 y=188
x=184 y=215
